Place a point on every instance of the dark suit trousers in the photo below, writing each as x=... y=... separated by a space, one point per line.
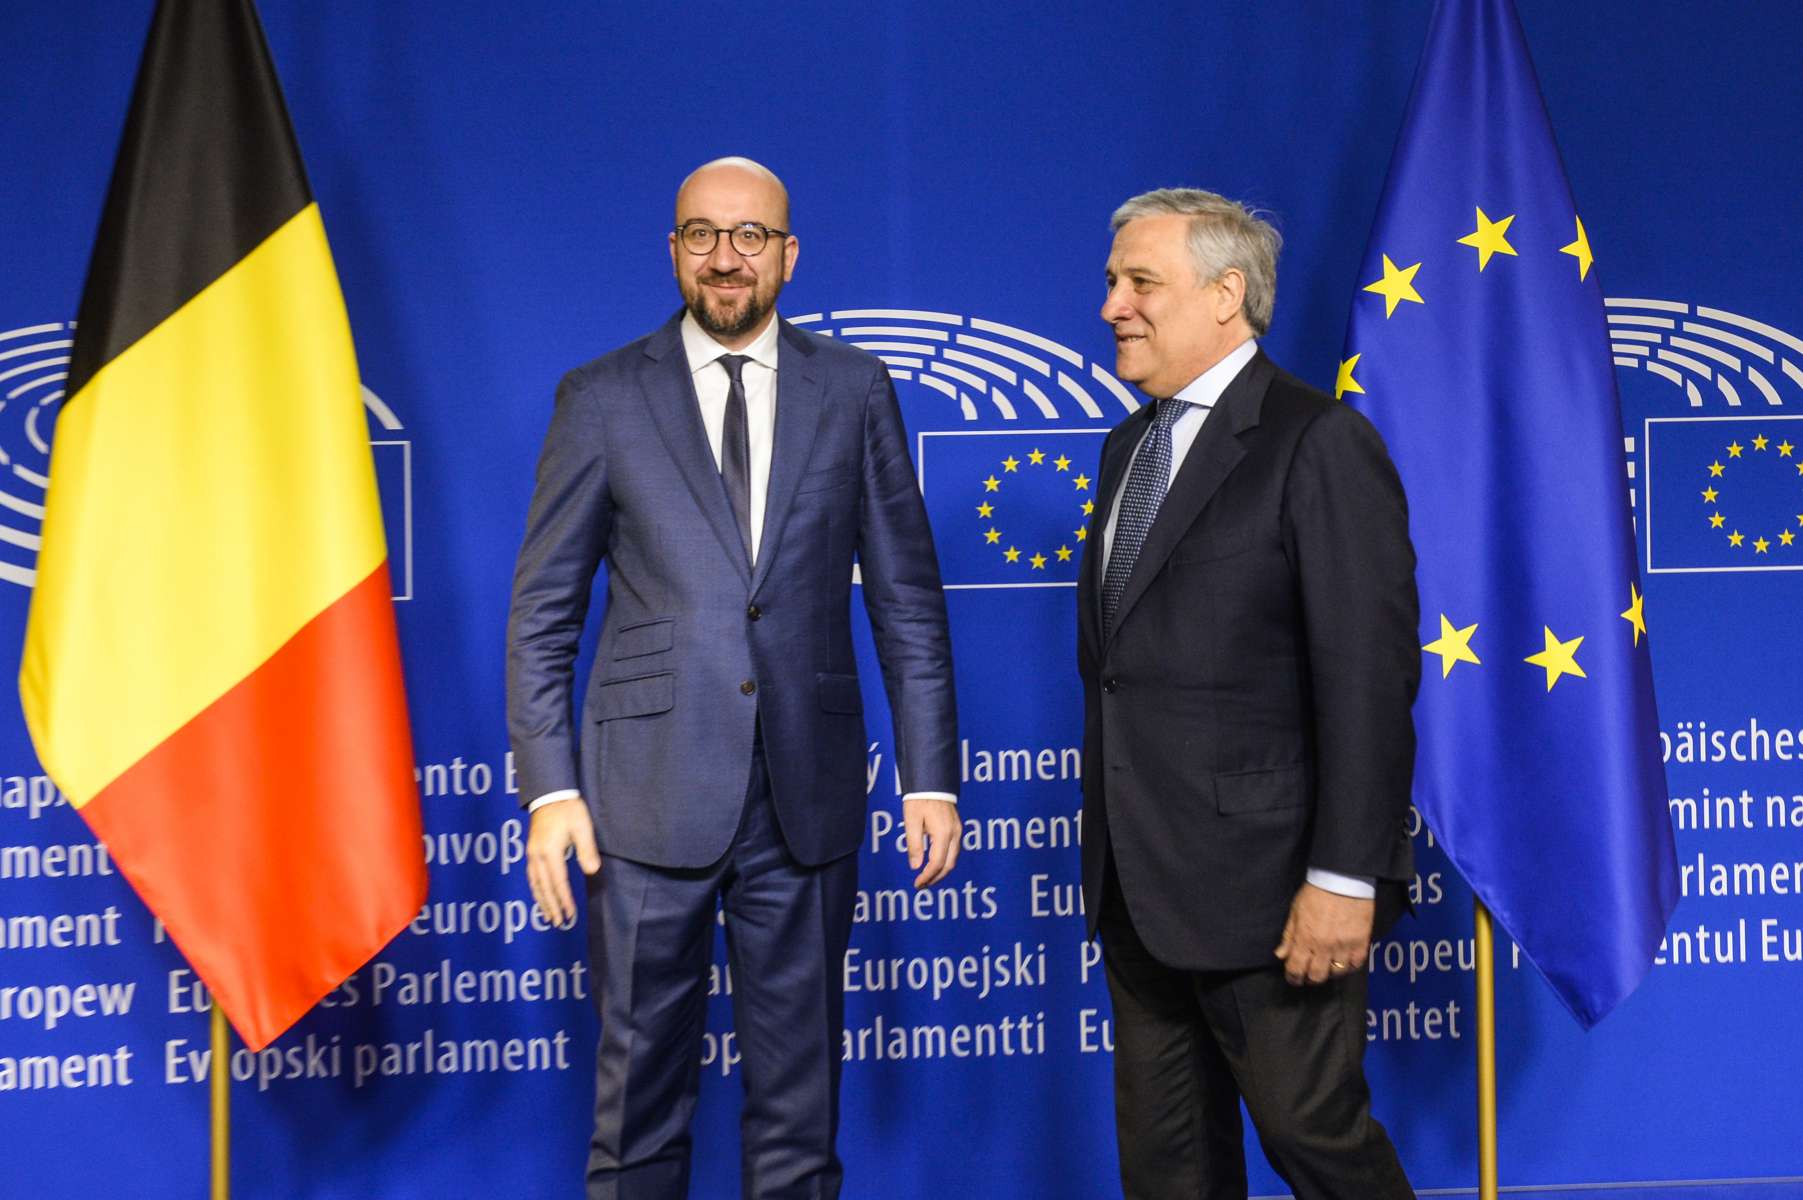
x=1189 y=1046
x=651 y=936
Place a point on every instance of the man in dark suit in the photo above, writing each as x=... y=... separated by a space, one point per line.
x=726 y=469
x=1247 y=620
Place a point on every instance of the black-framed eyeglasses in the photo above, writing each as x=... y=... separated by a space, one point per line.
x=749 y=238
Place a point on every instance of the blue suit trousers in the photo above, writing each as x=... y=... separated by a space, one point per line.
x=651 y=936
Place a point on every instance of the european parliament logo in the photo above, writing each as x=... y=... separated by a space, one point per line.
x=34 y=366
x=1723 y=480
x=1010 y=509
x=1724 y=494
x=1010 y=506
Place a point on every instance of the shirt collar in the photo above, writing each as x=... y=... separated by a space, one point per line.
x=702 y=350
x=1205 y=389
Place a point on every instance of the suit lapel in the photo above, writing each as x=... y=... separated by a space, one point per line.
x=800 y=403
x=670 y=391
x=1211 y=458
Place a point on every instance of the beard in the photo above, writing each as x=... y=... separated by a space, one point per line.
x=726 y=319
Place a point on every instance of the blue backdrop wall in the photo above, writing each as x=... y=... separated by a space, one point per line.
x=497 y=180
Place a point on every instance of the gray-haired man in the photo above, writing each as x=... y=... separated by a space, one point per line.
x=1246 y=637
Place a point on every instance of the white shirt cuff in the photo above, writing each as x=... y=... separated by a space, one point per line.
x=1359 y=887
x=553 y=798
x=945 y=796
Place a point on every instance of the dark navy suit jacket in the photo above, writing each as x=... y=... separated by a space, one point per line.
x=1249 y=716
x=696 y=645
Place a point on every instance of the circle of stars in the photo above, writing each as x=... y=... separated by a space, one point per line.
x=986 y=511
x=1760 y=444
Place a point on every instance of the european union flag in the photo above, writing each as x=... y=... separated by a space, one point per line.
x=1009 y=509
x=1479 y=349
x=1724 y=494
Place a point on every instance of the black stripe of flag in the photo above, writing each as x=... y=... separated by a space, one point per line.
x=207 y=169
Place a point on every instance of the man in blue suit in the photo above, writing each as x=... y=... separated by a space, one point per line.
x=727 y=469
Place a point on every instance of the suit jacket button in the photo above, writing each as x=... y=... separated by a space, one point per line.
x=754 y=612
x=1108 y=685
x=748 y=687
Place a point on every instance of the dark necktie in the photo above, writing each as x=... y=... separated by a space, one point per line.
x=735 y=448
x=1147 y=483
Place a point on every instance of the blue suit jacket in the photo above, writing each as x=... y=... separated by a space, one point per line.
x=696 y=644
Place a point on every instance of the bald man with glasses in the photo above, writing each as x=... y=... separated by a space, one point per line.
x=726 y=469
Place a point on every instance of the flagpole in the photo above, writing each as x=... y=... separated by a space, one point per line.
x=222 y=1106
x=1486 y=1053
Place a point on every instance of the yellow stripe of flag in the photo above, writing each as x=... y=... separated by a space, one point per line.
x=234 y=501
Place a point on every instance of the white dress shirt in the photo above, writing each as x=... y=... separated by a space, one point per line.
x=1202 y=394
x=711 y=385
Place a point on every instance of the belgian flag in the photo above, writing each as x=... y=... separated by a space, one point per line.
x=211 y=672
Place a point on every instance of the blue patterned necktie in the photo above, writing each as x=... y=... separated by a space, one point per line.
x=1146 y=486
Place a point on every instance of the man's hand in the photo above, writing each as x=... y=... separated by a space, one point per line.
x=933 y=829
x=1327 y=935
x=557 y=829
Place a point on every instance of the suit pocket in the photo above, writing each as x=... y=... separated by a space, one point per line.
x=820 y=481
x=647 y=637
x=1261 y=791
x=639 y=697
x=840 y=694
